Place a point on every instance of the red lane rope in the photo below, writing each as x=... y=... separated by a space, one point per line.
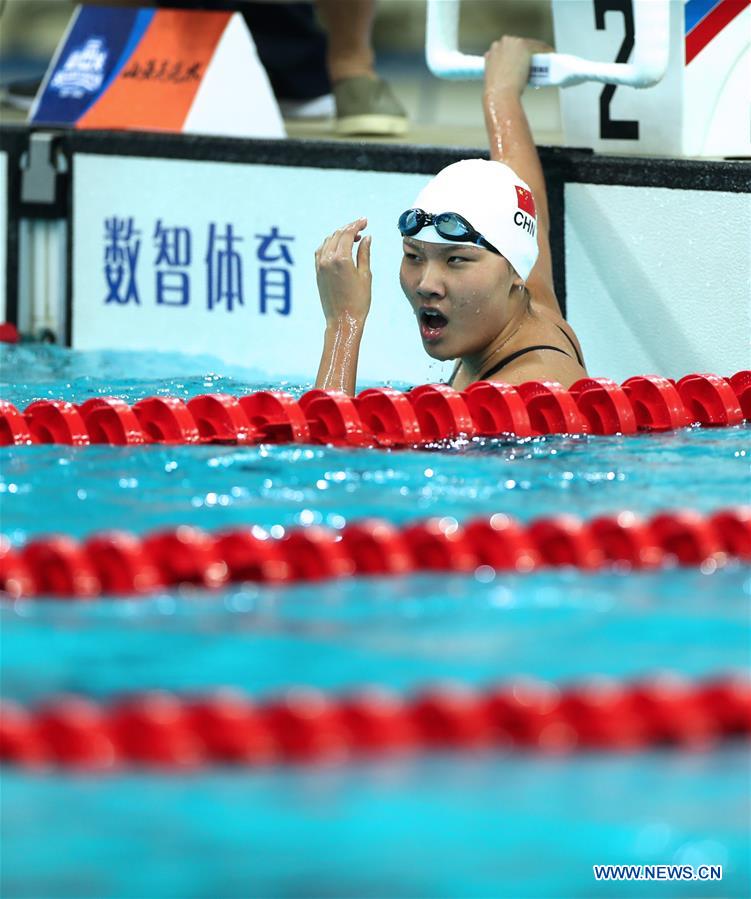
x=8 y=333
x=307 y=725
x=382 y=417
x=119 y=563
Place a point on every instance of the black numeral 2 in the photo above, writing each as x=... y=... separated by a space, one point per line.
x=616 y=129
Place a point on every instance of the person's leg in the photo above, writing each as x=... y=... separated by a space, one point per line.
x=364 y=102
x=292 y=48
x=349 y=24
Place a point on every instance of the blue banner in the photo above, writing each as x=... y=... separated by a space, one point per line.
x=96 y=47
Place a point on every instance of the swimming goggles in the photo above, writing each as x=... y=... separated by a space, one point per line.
x=449 y=225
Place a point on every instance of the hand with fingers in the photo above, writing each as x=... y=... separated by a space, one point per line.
x=343 y=283
x=507 y=63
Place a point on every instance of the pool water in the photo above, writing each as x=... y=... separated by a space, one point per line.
x=481 y=824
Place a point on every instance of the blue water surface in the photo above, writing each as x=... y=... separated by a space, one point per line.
x=558 y=626
x=490 y=824
x=443 y=826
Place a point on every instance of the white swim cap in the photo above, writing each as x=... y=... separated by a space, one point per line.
x=494 y=200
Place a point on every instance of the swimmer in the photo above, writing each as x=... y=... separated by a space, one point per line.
x=477 y=268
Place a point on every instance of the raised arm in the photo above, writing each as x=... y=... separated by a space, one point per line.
x=506 y=75
x=345 y=289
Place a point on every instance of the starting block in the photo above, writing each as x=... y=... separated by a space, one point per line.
x=667 y=77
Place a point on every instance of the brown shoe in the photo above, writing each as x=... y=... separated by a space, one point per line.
x=366 y=106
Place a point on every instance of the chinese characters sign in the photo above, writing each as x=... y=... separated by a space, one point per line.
x=216 y=259
x=235 y=269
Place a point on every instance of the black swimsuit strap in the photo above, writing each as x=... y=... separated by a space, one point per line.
x=573 y=345
x=507 y=359
x=510 y=358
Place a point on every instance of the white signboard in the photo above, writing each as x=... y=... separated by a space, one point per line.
x=3 y=234
x=218 y=258
x=658 y=280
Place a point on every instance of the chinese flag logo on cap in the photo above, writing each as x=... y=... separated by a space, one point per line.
x=525 y=200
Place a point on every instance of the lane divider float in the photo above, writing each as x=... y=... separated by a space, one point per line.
x=383 y=417
x=306 y=725
x=118 y=563
x=8 y=333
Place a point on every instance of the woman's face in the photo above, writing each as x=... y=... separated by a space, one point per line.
x=459 y=294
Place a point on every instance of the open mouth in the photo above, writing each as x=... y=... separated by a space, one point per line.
x=432 y=323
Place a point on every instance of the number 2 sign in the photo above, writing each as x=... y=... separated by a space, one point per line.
x=699 y=108
x=617 y=129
